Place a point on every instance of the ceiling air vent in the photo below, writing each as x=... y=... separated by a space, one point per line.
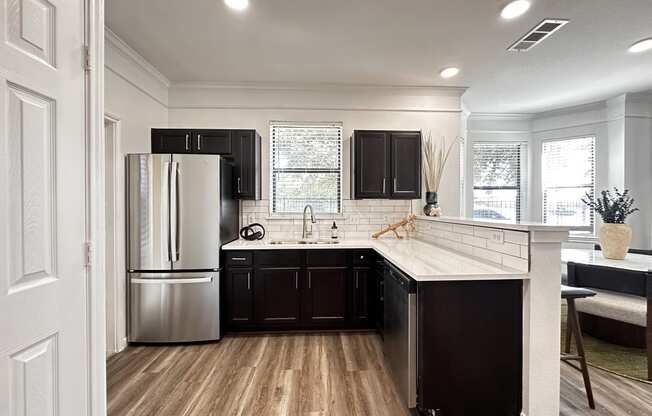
x=537 y=35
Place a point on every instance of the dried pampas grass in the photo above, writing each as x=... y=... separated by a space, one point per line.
x=435 y=156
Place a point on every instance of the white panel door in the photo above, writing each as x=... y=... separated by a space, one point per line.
x=43 y=329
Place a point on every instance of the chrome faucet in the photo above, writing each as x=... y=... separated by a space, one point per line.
x=307 y=230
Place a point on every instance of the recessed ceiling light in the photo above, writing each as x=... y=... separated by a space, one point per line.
x=449 y=72
x=515 y=9
x=641 y=46
x=237 y=4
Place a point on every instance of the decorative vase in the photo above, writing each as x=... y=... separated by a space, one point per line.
x=615 y=240
x=432 y=206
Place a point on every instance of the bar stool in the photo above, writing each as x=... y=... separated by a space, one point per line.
x=573 y=330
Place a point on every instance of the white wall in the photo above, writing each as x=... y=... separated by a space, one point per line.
x=254 y=106
x=136 y=96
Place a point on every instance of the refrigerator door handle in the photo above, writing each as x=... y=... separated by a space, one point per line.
x=168 y=168
x=208 y=279
x=174 y=212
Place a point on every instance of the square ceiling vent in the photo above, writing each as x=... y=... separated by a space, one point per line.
x=537 y=35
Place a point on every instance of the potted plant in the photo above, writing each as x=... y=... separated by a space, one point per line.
x=615 y=236
x=435 y=156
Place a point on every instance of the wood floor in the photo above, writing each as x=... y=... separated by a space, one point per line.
x=302 y=375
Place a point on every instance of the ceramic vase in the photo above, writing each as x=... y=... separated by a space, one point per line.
x=615 y=240
x=431 y=208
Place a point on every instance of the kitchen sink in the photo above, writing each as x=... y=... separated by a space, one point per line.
x=317 y=242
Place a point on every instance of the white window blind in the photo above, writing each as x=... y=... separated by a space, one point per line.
x=568 y=173
x=306 y=168
x=498 y=180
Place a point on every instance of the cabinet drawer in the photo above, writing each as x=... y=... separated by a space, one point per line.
x=278 y=258
x=362 y=257
x=239 y=258
x=333 y=258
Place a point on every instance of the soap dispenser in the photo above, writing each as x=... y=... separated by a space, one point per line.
x=334 y=235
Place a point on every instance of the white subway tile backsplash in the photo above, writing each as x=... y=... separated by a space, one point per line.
x=474 y=241
x=516 y=263
x=488 y=255
x=505 y=248
x=463 y=229
x=360 y=218
x=517 y=237
x=479 y=242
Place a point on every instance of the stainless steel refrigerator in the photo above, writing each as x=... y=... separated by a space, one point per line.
x=180 y=210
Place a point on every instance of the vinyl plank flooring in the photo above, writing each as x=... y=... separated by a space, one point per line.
x=302 y=375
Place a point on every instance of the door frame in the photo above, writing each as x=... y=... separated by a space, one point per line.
x=115 y=343
x=95 y=220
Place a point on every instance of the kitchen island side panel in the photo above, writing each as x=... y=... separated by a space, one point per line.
x=470 y=347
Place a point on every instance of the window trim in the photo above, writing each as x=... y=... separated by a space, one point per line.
x=577 y=233
x=270 y=171
x=521 y=189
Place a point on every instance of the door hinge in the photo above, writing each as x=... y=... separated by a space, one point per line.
x=88 y=254
x=88 y=66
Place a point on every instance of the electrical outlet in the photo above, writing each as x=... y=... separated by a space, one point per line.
x=498 y=236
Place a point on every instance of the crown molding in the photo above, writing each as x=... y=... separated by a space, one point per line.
x=313 y=86
x=134 y=56
x=501 y=116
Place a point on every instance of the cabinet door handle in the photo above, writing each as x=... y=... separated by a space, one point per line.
x=249 y=281
x=356 y=280
x=199 y=142
x=239 y=185
x=238 y=258
x=384 y=184
x=309 y=280
x=296 y=280
x=394 y=184
x=187 y=142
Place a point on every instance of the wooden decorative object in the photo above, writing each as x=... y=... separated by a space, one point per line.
x=408 y=224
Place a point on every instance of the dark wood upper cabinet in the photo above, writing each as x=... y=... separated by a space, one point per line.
x=243 y=146
x=326 y=295
x=212 y=142
x=171 y=141
x=278 y=296
x=406 y=165
x=371 y=163
x=386 y=164
x=245 y=151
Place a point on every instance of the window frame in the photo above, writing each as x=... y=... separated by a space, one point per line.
x=340 y=171
x=577 y=232
x=522 y=176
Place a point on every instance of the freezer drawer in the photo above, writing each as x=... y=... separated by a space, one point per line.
x=174 y=307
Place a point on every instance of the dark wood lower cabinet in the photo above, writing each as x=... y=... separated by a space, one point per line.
x=277 y=296
x=363 y=296
x=325 y=298
x=268 y=290
x=240 y=300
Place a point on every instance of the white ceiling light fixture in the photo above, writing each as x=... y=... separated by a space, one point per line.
x=515 y=9
x=449 y=72
x=641 y=46
x=237 y=4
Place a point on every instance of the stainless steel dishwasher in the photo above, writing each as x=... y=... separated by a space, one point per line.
x=400 y=332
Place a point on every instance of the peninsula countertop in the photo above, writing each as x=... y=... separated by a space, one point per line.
x=420 y=260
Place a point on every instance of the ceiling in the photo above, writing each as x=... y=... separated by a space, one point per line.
x=398 y=42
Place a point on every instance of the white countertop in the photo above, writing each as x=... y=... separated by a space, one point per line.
x=421 y=261
x=636 y=262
